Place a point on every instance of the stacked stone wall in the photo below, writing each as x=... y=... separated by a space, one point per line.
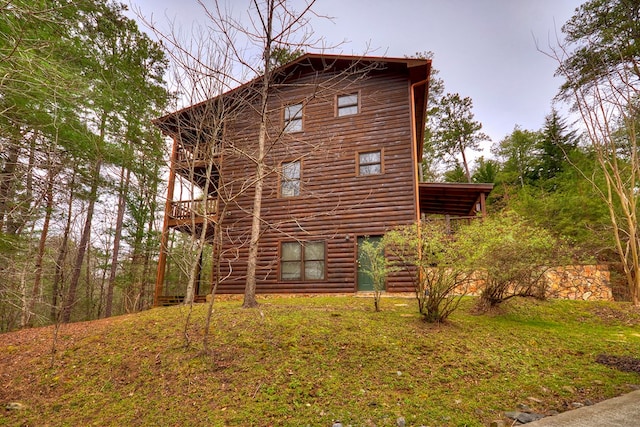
x=585 y=282
x=576 y=282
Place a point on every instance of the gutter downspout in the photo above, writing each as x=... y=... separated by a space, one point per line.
x=414 y=150
x=418 y=162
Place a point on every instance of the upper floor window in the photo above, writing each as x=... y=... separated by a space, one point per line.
x=370 y=163
x=302 y=261
x=347 y=105
x=290 y=180
x=293 y=118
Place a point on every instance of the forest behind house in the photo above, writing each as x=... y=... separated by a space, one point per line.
x=83 y=168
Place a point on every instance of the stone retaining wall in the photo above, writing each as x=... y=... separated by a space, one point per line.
x=585 y=282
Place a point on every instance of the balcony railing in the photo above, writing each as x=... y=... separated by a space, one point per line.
x=184 y=209
x=198 y=153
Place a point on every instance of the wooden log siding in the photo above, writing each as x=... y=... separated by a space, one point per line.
x=334 y=205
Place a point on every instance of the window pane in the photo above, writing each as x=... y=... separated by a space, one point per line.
x=346 y=111
x=291 y=270
x=369 y=158
x=291 y=252
x=347 y=105
x=293 y=118
x=290 y=188
x=348 y=100
x=314 y=270
x=314 y=251
x=293 y=112
x=290 y=183
x=370 y=170
x=294 y=125
x=291 y=170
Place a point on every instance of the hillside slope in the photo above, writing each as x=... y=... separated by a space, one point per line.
x=309 y=361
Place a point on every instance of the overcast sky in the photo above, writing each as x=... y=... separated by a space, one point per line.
x=484 y=49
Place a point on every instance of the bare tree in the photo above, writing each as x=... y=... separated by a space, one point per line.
x=274 y=26
x=215 y=65
x=609 y=108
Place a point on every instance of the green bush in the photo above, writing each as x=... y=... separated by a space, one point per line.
x=509 y=255
x=377 y=267
x=438 y=268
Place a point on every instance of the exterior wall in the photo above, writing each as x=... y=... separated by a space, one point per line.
x=335 y=205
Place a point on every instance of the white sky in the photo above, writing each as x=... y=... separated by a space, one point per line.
x=484 y=49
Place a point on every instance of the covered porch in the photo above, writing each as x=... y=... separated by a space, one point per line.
x=453 y=203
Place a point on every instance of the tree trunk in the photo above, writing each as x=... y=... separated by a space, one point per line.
x=195 y=272
x=217 y=259
x=62 y=255
x=466 y=165
x=252 y=260
x=82 y=247
x=35 y=294
x=7 y=179
x=256 y=221
x=124 y=188
x=88 y=290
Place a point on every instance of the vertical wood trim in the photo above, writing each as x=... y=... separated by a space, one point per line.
x=164 y=240
x=417 y=160
x=416 y=163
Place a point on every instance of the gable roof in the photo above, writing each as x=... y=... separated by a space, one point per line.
x=418 y=71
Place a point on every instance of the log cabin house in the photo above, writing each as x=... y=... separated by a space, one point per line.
x=345 y=138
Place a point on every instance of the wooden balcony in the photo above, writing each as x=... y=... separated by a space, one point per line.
x=196 y=156
x=193 y=162
x=189 y=216
x=168 y=300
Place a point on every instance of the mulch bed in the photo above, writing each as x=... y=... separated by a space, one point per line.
x=621 y=363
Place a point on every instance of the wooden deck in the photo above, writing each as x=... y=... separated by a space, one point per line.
x=189 y=216
x=168 y=300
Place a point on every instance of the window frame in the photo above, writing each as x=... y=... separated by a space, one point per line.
x=302 y=275
x=359 y=164
x=339 y=108
x=287 y=119
x=282 y=179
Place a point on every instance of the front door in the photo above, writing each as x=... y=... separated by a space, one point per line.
x=365 y=282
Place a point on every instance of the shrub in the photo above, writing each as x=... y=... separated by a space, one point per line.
x=439 y=273
x=376 y=266
x=510 y=255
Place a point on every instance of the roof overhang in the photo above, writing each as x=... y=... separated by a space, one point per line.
x=454 y=199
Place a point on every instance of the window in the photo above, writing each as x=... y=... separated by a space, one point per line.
x=347 y=105
x=370 y=163
x=293 y=118
x=290 y=181
x=302 y=261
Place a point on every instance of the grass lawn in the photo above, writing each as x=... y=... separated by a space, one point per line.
x=298 y=361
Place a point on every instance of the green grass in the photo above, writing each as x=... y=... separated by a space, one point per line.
x=309 y=361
